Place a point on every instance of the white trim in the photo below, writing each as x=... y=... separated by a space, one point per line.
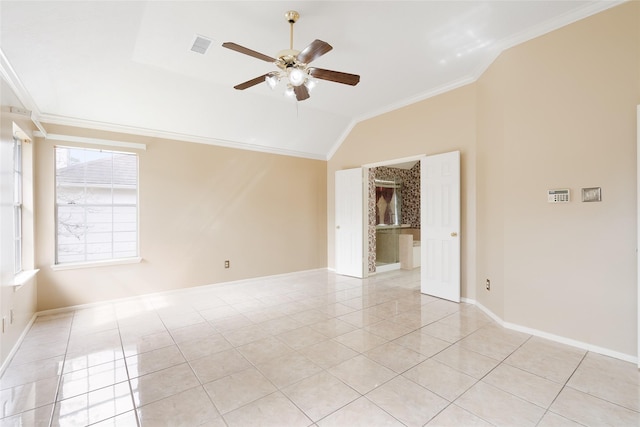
x=169 y=292
x=16 y=346
x=420 y=97
x=92 y=264
x=67 y=309
x=14 y=82
x=638 y=223
x=387 y=267
x=395 y=161
x=175 y=136
x=23 y=277
x=557 y=22
x=552 y=337
x=343 y=136
x=92 y=141
x=571 y=342
x=551 y=25
x=499 y=47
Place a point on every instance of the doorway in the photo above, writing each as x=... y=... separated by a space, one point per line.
x=394 y=215
x=439 y=222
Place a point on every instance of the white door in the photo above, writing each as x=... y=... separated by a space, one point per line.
x=638 y=219
x=350 y=222
x=440 y=218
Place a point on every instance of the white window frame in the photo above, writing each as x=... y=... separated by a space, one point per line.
x=17 y=204
x=102 y=262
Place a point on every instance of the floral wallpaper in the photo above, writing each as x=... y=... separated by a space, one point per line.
x=410 y=191
x=372 y=221
x=410 y=210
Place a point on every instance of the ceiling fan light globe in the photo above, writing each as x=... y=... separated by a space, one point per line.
x=296 y=76
x=289 y=91
x=272 y=81
x=310 y=84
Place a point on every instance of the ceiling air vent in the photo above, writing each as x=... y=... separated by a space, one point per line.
x=200 y=44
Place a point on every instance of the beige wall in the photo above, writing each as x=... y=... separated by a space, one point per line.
x=17 y=304
x=491 y=188
x=555 y=112
x=441 y=124
x=559 y=112
x=199 y=205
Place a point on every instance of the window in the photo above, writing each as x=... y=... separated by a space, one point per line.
x=96 y=205
x=17 y=204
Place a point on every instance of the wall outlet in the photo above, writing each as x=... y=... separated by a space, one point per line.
x=226 y=264
x=11 y=317
x=4 y=322
x=488 y=284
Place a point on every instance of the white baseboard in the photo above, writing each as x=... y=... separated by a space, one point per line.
x=16 y=346
x=493 y=316
x=169 y=292
x=387 y=267
x=552 y=337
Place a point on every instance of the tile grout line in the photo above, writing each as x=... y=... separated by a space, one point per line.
x=64 y=361
x=126 y=367
x=564 y=385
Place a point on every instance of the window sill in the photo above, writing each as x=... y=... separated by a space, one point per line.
x=106 y=263
x=23 y=277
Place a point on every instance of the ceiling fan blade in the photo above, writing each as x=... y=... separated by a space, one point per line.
x=315 y=50
x=335 y=76
x=302 y=92
x=247 y=51
x=252 y=82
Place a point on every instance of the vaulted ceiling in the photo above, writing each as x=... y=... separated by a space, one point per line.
x=128 y=66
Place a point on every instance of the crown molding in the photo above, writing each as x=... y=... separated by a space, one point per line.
x=558 y=22
x=92 y=141
x=9 y=75
x=37 y=117
x=133 y=130
x=397 y=105
x=499 y=47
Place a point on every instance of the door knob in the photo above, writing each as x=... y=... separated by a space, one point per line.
x=454 y=234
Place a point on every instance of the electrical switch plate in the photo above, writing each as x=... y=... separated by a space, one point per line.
x=592 y=194
x=226 y=264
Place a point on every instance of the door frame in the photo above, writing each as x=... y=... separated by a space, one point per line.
x=388 y=163
x=418 y=158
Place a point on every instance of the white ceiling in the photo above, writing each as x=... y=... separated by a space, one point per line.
x=127 y=66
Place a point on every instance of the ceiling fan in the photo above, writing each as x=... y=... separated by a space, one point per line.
x=293 y=66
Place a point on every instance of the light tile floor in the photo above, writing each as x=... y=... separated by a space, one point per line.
x=306 y=349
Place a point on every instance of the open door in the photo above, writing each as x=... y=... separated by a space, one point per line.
x=350 y=222
x=638 y=218
x=440 y=228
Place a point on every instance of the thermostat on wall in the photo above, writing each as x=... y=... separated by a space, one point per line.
x=558 y=196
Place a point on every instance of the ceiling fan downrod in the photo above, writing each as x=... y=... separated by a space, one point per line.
x=292 y=17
